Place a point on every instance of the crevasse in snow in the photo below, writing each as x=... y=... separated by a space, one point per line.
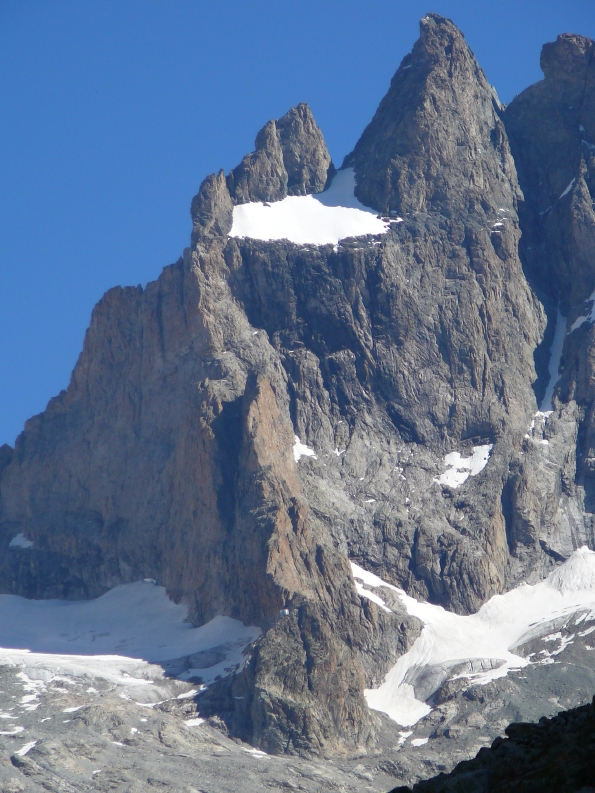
x=488 y=637
x=321 y=219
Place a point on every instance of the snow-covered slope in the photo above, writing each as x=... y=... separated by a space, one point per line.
x=316 y=219
x=486 y=640
x=134 y=621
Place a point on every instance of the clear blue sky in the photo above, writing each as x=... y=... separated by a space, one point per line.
x=114 y=111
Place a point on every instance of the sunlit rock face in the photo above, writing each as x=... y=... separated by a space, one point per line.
x=342 y=367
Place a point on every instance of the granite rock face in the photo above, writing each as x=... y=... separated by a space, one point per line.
x=170 y=454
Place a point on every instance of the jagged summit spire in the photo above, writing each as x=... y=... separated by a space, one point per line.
x=290 y=157
x=436 y=140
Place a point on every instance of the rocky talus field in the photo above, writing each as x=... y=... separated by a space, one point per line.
x=316 y=510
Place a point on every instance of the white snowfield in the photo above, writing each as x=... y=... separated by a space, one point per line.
x=116 y=636
x=20 y=541
x=321 y=219
x=483 y=642
x=459 y=469
x=301 y=450
x=590 y=317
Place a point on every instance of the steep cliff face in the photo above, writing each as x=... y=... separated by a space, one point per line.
x=549 y=497
x=552 y=129
x=404 y=364
x=400 y=352
x=437 y=141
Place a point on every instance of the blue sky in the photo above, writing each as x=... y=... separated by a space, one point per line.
x=114 y=112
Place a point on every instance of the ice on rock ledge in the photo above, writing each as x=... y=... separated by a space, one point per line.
x=484 y=642
x=301 y=450
x=20 y=541
x=321 y=219
x=590 y=317
x=459 y=469
x=568 y=189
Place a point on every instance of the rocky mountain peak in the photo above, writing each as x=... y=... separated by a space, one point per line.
x=268 y=411
x=570 y=57
x=290 y=158
x=436 y=142
x=439 y=36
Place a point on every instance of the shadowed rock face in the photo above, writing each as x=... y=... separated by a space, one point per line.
x=555 y=756
x=552 y=129
x=170 y=454
x=551 y=126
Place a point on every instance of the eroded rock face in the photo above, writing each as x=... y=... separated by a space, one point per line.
x=170 y=455
x=549 y=499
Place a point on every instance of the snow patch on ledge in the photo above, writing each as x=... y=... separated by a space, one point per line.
x=26 y=748
x=459 y=469
x=568 y=189
x=301 y=450
x=590 y=317
x=20 y=541
x=485 y=642
x=321 y=219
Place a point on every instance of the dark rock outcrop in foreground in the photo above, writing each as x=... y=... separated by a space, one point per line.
x=555 y=756
x=169 y=455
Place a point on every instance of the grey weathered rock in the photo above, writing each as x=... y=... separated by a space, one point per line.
x=212 y=208
x=552 y=130
x=261 y=176
x=437 y=141
x=305 y=155
x=89 y=736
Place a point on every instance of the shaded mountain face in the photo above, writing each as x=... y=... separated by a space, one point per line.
x=267 y=411
x=437 y=141
x=551 y=126
x=554 y=756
